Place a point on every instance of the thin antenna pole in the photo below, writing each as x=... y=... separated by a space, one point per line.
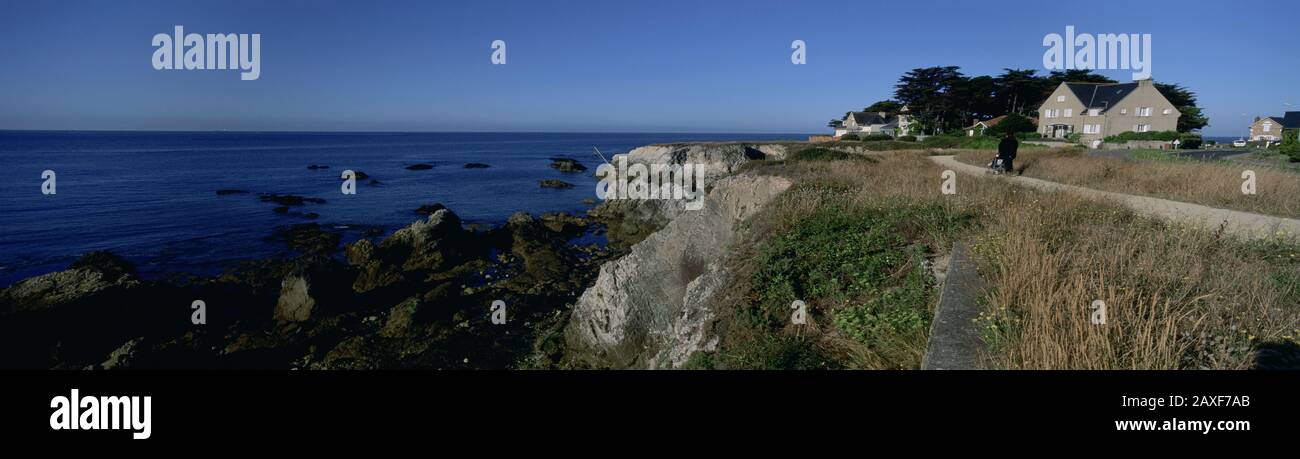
x=602 y=157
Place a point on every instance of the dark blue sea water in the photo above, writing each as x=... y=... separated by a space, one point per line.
x=151 y=196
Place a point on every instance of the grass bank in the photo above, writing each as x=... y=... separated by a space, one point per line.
x=855 y=240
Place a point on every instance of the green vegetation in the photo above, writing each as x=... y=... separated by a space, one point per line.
x=877 y=137
x=1165 y=136
x=1187 y=141
x=1012 y=123
x=1291 y=144
x=858 y=267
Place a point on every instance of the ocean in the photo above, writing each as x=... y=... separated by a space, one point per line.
x=152 y=198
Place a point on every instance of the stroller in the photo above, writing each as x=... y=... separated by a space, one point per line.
x=1000 y=166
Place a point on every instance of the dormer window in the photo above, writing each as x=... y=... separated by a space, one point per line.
x=1094 y=112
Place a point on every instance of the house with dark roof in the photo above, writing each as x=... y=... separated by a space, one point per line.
x=1270 y=128
x=867 y=123
x=983 y=125
x=1099 y=110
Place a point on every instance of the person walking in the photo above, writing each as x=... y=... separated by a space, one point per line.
x=1007 y=151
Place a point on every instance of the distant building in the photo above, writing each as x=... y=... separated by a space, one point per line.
x=904 y=121
x=1270 y=128
x=867 y=123
x=1099 y=110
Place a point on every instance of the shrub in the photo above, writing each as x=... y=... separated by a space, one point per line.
x=1189 y=141
x=906 y=138
x=876 y=137
x=1166 y=136
x=1291 y=144
x=849 y=137
x=1012 y=123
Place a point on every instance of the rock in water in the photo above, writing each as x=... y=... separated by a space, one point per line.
x=476 y=166
x=122 y=357
x=418 y=167
x=401 y=318
x=429 y=209
x=92 y=274
x=567 y=165
x=552 y=183
x=359 y=252
x=295 y=303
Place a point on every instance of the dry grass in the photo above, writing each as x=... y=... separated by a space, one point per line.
x=1211 y=184
x=1177 y=297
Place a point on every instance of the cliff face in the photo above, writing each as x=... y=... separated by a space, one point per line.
x=653 y=308
x=717 y=161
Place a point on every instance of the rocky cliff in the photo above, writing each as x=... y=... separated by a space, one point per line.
x=653 y=307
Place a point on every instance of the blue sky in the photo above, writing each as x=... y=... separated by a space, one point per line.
x=661 y=66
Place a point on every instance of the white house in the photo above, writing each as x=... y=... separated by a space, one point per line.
x=867 y=123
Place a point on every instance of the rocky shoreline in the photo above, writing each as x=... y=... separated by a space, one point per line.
x=421 y=297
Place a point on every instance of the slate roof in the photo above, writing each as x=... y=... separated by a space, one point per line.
x=1291 y=120
x=1101 y=95
x=870 y=118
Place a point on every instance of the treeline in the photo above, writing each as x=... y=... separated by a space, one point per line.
x=942 y=99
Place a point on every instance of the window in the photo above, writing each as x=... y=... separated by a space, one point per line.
x=1165 y=112
x=1144 y=111
x=1069 y=112
x=1092 y=129
x=1060 y=98
x=1094 y=112
x=1123 y=111
x=1141 y=128
x=1268 y=127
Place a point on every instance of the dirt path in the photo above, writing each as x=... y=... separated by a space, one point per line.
x=1238 y=223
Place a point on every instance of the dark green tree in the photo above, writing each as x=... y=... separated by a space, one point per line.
x=1185 y=101
x=1075 y=76
x=888 y=106
x=928 y=93
x=1021 y=91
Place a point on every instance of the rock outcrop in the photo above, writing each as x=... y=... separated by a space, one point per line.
x=716 y=161
x=653 y=307
x=93 y=274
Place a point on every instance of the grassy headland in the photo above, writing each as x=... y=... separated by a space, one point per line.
x=856 y=239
